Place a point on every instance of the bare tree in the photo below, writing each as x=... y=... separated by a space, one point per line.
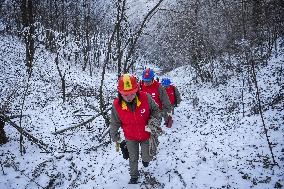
x=27 y=8
x=124 y=47
x=3 y=138
x=62 y=76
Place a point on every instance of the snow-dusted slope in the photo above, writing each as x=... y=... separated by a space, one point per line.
x=211 y=144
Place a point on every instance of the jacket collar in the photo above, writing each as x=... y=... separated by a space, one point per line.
x=124 y=105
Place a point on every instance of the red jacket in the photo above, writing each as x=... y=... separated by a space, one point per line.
x=153 y=90
x=171 y=93
x=133 y=123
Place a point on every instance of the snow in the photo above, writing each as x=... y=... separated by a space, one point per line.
x=2 y=25
x=211 y=144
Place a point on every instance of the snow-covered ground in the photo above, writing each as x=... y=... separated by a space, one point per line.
x=212 y=144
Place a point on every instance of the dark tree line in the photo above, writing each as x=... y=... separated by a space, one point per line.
x=92 y=34
x=84 y=25
x=188 y=32
x=199 y=31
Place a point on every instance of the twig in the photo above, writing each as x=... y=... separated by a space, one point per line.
x=38 y=142
x=261 y=112
x=83 y=115
x=138 y=34
x=2 y=168
x=17 y=116
x=21 y=115
x=94 y=148
x=181 y=178
x=22 y=173
x=104 y=134
x=81 y=124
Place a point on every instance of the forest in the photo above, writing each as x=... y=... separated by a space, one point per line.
x=60 y=63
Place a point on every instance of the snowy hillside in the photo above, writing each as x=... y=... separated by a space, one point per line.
x=212 y=144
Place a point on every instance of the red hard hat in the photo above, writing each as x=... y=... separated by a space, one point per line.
x=127 y=84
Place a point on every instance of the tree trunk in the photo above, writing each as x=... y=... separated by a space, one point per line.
x=62 y=78
x=3 y=138
x=29 y=30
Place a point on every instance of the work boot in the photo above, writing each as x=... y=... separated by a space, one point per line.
x=133 y=181
x=145 y=164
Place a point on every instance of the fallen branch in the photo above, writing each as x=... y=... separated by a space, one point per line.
x=81 y=124
x=18 y=116
x=278 y=98
x=104 y=134
x=261 y=113
x=16 y=169
x=31 y=138
x=94 y=148
x=83 y=115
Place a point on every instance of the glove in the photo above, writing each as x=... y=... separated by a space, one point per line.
x=117 y=143
x=147 y=128
x=169 y=122
x=116 y=138
x=117 y=146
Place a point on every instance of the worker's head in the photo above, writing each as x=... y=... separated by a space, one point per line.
x=148 y=76
x=127 y=87
x=166 y=82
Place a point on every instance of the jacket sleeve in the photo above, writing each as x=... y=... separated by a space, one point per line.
x=154 y=108
x=165 y=100
x=115 y=124
x=177 y=95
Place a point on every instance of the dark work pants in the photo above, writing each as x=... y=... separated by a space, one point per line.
x=133 y=149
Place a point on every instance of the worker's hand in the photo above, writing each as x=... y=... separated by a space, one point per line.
x=169 y=121
x=160 y=131
x=170 y=113
x=117 y=146
x=147 y=129
x=117 y=142
x=117 y=137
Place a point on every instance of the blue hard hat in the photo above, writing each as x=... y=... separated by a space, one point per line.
x=166 y=82
x=148 y=75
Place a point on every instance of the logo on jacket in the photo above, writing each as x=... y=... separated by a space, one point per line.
x=142 y=111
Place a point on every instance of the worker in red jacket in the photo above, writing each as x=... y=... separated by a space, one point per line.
x=172 y=92
x=133 y=111
x=158 y=93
